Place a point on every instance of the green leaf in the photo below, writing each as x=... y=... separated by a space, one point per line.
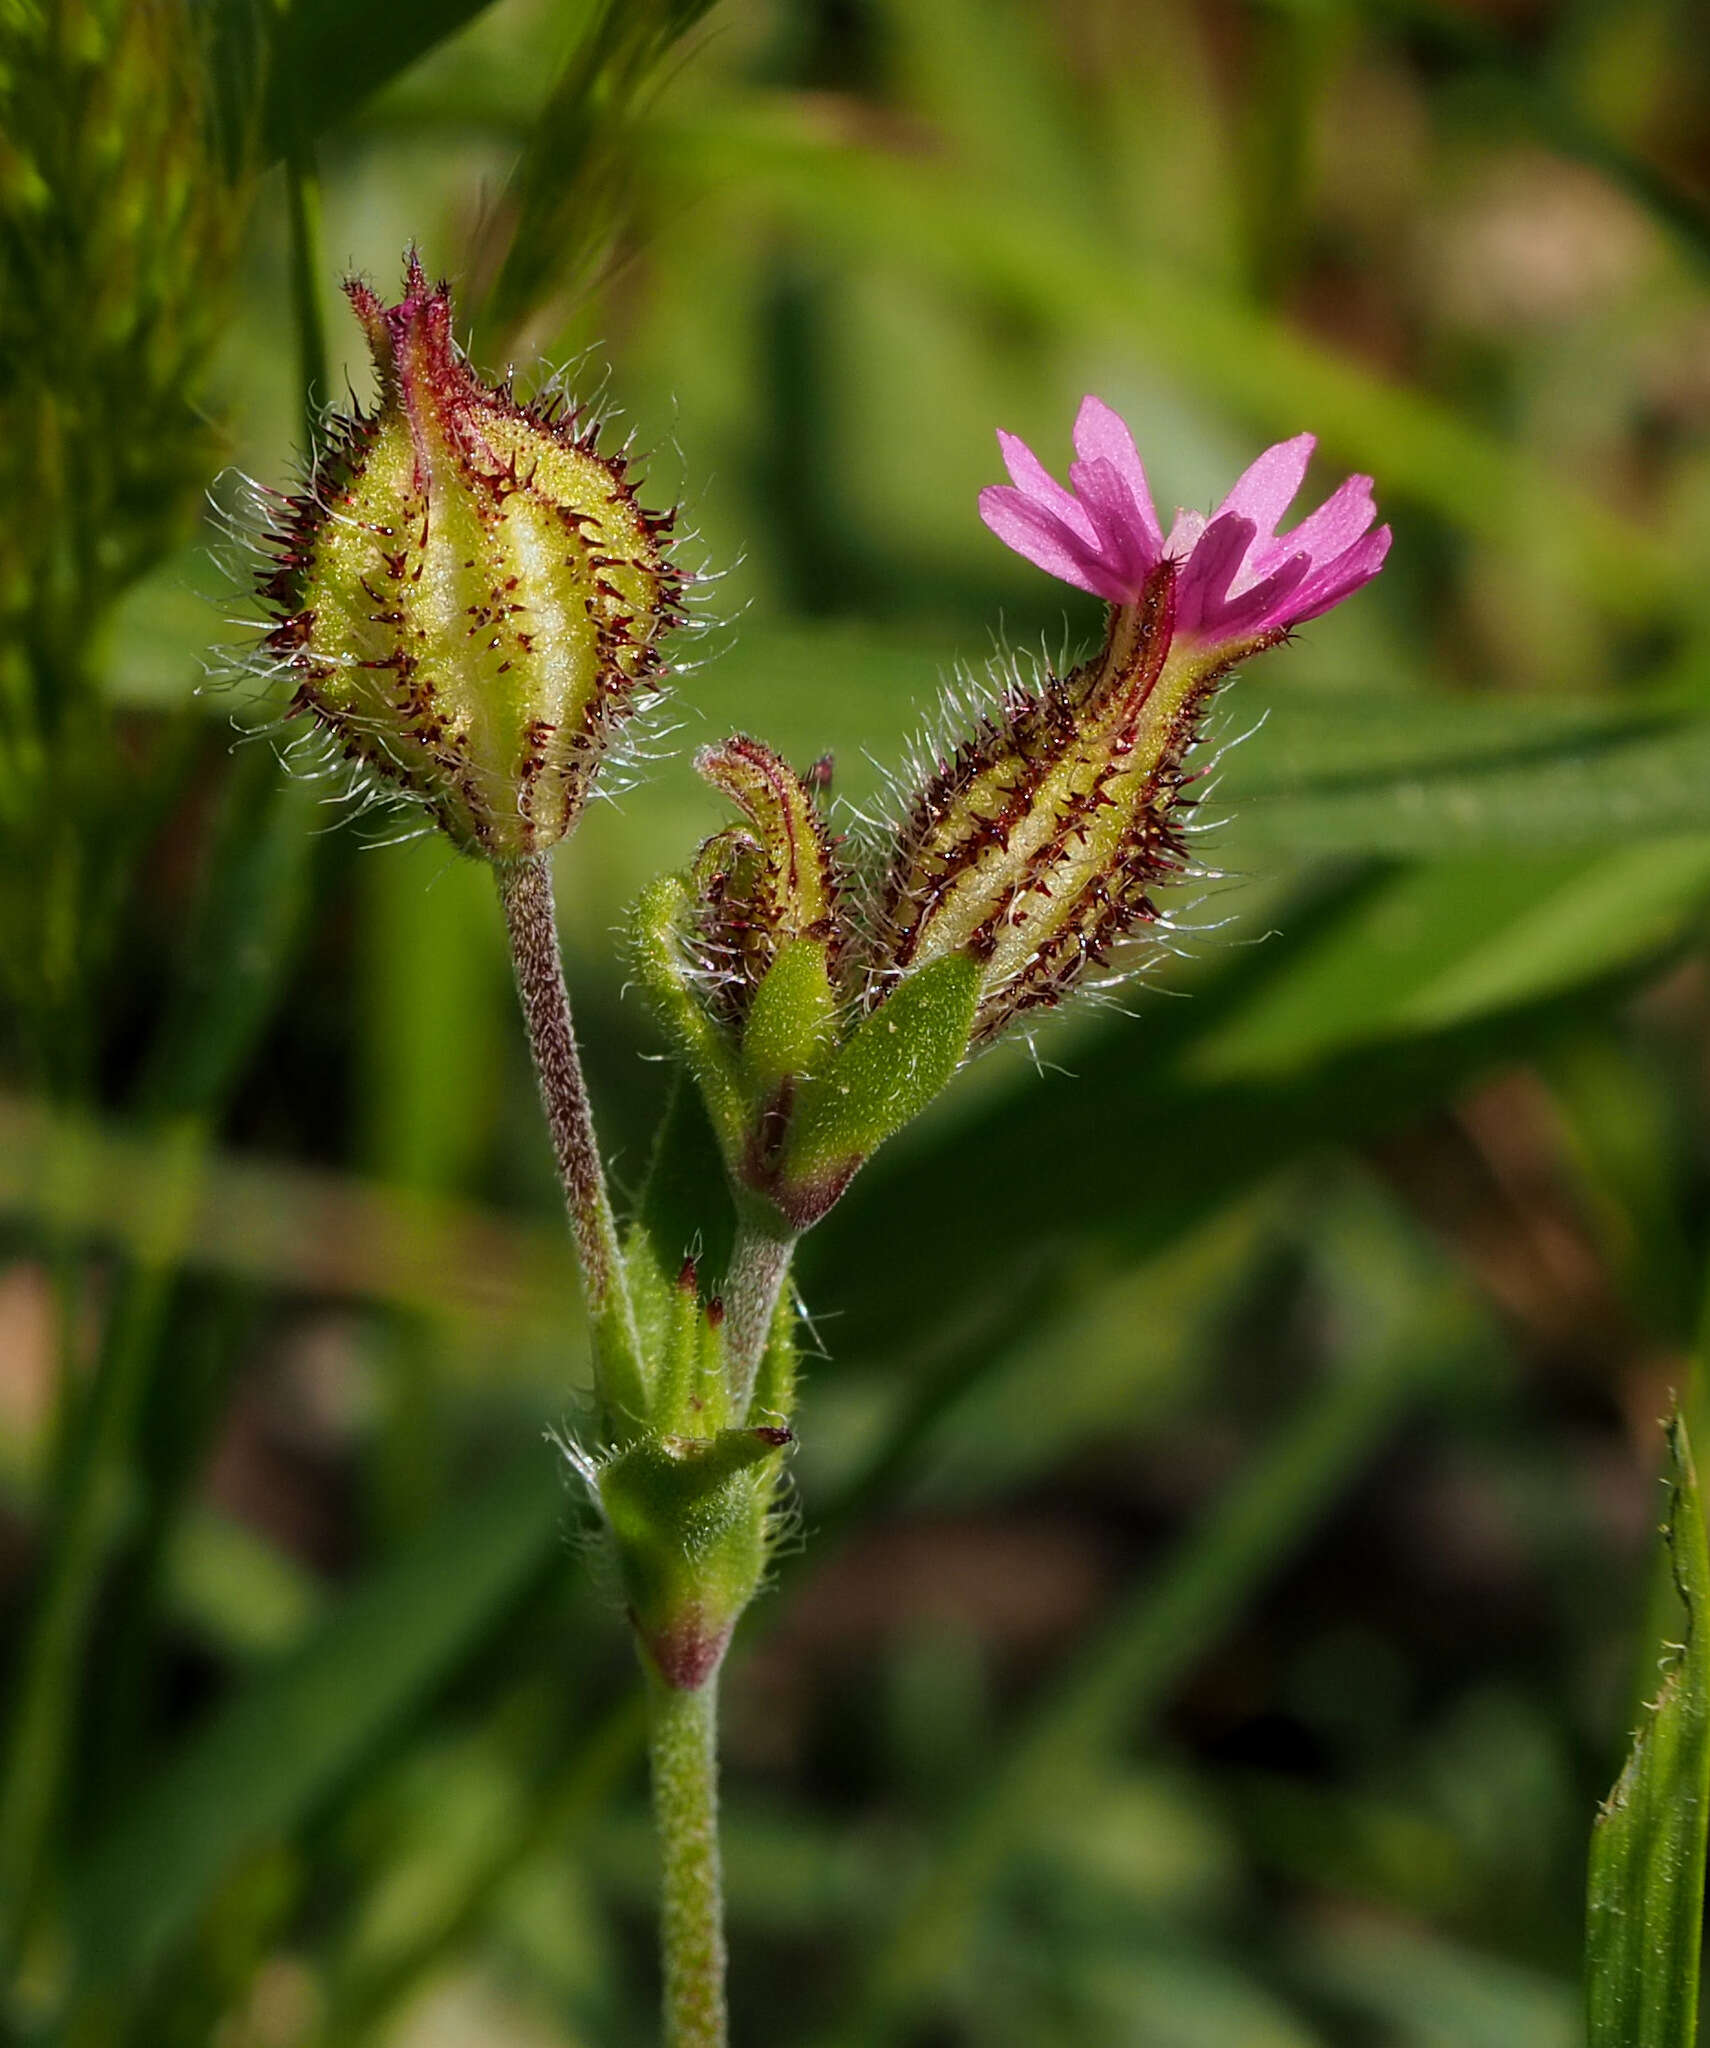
x=1441 y=945
x=1645 y=1903
x=287 y=1741
x=313 y=63
x=898 y=1060
x=1432 y=775
x=791 y=1019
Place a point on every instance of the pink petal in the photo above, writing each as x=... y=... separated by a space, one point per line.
x=1337 y=523
x=1035 y=481
x=1046 y=542
x=1236 y=575
x=1264 y=604
x=1102 y=435
x=1340 y=578
x=1265 y=489
x=1209 y=570
x=1128 y=544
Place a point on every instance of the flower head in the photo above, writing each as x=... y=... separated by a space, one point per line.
x=1237 y=579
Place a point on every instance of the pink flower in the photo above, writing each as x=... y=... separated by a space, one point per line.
x=1237 y=577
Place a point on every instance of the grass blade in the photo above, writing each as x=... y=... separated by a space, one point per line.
x=295 y=1734
x=1645 y=1899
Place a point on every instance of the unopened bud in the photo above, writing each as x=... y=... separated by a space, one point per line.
x=470 y=596
x=762 y=887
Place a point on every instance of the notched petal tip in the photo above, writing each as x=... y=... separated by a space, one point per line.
x=1350 y=571
x=1102 y=435
x=1268 y=486
x=1102 y=535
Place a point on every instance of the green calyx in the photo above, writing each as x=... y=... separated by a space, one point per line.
x=469 y=597
x=689 y=1517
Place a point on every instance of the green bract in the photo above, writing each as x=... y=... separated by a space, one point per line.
x=688 y=1518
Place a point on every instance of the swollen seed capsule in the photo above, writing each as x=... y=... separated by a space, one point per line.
x=469 y=596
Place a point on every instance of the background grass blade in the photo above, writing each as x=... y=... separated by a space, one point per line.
x=1645 y=1906
x=293 y=1736
x=1257 y=365
x=569 y=195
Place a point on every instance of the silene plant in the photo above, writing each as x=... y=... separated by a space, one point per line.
x=472 y=602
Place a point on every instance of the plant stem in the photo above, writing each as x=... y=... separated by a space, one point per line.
x=759 y=1266
x=683 y=1737
x=525 y=890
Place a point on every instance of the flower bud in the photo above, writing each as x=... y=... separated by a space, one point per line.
x=470 y=597
x=741 y=961
x=764 y=889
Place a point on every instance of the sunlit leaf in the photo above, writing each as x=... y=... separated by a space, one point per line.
x=330 y=55
x=1443 y=944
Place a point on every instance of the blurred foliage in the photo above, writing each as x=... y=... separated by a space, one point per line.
x=1229 y=1485
x=122 y=196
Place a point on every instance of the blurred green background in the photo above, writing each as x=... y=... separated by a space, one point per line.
x=1227 y=1489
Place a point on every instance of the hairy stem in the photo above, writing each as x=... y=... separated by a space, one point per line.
x=525 y=890
x=759 y=1266
x=683 y=1737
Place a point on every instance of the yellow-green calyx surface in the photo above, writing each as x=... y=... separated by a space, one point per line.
x=1037 y=846
x=468 y=594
